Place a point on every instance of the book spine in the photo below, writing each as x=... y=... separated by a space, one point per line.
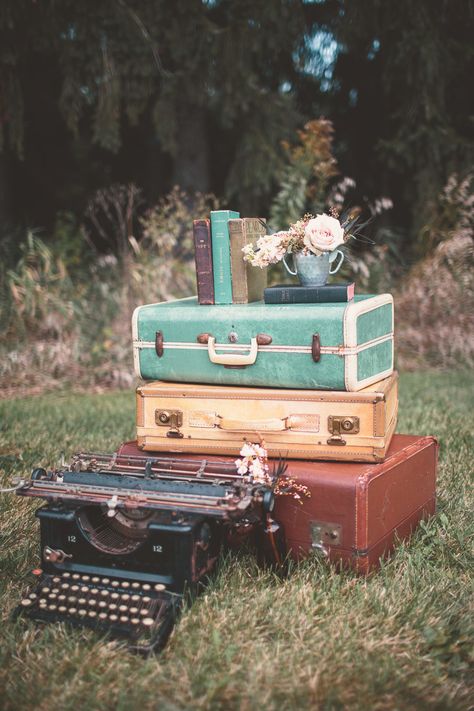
x=238 y=266
x=308 y=294
x=221 y=255
x=203 y=256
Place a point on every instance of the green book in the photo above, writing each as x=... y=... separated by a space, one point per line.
x=221 y=267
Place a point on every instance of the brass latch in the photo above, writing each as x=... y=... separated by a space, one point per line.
x=170 y=418
x=324 y=534
x=342 y=424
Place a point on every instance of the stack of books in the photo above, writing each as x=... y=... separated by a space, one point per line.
x=223 y=277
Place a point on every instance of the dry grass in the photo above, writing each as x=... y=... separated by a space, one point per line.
x=401 y=639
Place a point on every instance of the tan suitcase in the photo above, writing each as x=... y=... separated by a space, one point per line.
x=301 y=424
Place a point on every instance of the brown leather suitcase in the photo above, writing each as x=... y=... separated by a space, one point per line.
x=301 y=424
x=356 y=511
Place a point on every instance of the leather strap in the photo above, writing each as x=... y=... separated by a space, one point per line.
x=307 y=423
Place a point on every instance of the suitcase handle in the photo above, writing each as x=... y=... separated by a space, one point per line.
x=274 y=425
x=232 y=358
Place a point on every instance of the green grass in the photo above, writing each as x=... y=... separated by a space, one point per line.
x=401 y=639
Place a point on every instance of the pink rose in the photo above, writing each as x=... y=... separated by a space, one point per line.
x=323 y=234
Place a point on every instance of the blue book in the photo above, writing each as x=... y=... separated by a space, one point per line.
x=221 y=268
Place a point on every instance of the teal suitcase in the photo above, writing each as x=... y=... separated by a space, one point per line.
x=337 y=346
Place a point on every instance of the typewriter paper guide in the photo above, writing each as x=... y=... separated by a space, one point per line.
x=355 y=343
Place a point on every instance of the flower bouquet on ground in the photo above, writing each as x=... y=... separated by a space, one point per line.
x=313 y=242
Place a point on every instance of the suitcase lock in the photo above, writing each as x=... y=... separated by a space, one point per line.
x=339 y=425
x=172 y=419
x=324 y=534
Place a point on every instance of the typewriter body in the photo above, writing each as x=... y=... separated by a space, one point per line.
x=124 y=537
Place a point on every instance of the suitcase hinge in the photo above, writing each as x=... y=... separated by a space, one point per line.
x=172 y=419
x=339 y=425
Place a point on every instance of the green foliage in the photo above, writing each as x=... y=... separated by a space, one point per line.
x=320 y=639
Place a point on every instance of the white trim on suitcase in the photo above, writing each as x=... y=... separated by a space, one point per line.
x=351 y=314
x=136 y=351
x=330 y=350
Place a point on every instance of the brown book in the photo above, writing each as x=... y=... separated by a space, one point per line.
x=248 y=282
x=203 y=256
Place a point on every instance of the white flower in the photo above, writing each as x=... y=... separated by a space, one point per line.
x=241 y=466
x=247 y=450
x=323 y=234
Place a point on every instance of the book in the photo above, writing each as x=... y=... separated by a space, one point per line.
x=248 y=282
x=203 y=256
x=221 y=268
x=295 y=294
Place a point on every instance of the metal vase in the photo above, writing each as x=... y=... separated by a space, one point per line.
x=313 y=269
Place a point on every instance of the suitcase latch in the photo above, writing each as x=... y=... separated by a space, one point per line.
x=339 y=425
x=325 y=534
x=172 y=419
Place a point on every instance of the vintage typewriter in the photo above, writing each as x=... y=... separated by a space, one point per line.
x=124 y=538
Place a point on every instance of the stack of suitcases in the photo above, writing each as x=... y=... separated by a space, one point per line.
x=315 y=382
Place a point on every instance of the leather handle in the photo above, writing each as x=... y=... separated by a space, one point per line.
x=272 y=425
x=232 y=358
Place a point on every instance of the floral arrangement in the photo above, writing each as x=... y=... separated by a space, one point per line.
x=316 y=235
x=254 y=465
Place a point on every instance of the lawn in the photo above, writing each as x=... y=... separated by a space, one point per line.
x=401 y=639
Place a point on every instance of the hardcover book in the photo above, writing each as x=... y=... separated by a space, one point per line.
x=294 y=294
x=248 y=282
x=203 y=256
x=221 y=267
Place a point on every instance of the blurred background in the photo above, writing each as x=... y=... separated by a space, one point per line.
x=122 y=121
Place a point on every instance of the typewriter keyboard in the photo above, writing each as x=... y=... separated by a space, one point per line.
x=142 y=612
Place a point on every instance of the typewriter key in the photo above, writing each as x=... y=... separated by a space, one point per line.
x=92 y=613
x=56 y=579
x=43 y=603
x=61 y=598
x=52 y=608
x=32 y=596
x=65 y=586
x=62 y=609
x=135 y=598
x=148 y=622
x=72 y=610
x=94 y=591
x=95 y=579
x=125 y=596
x=125 y=584
x=52 y=596
x=112 y=607
x=123 y=608
x=146 y=586
x=135 y=621
x=75 y=576
x=82 y=601
x=146 y=599
x=92 y=602
x=74 y=588
x=133 y=610
x=72 y=599
x=115 y=583
x=113 y=618
x=86 y=578
x=82 y=612
x=105 y=581
x=55 y=590
x=67 y=575
x=102 y=604
x=144 y=612
x=159 y=587
x=115 y=596
x=135 y=586
x=124 y=619
x=45 y=590
x=104 y=593
x=102 y=615
x=26 y=602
